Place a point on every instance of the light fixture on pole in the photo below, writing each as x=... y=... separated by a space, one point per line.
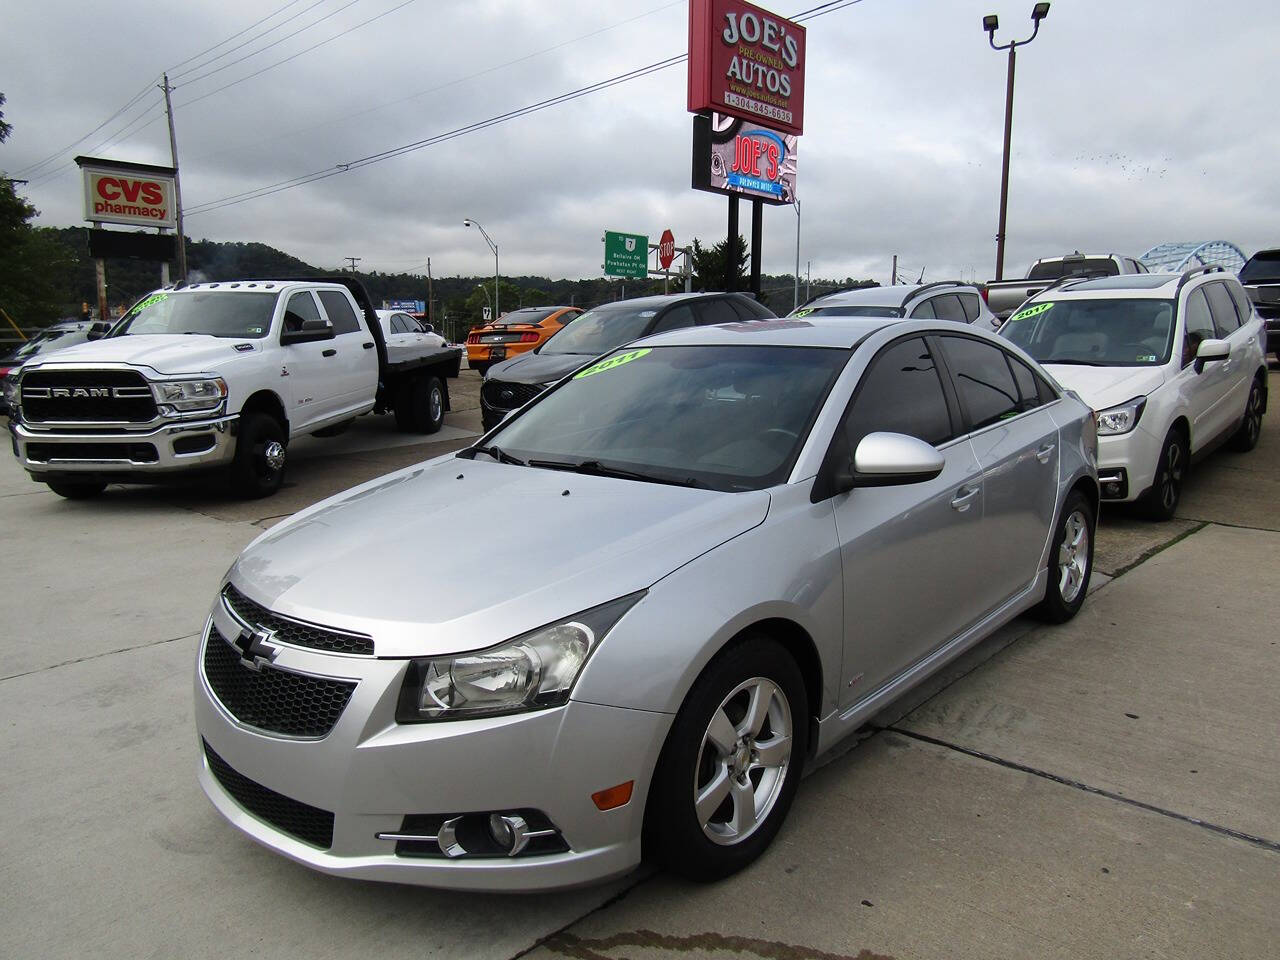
x=991 y=23
x=494 y=247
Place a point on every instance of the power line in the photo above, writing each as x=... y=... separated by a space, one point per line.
x=31 y=168
x=259 y=192
x=174 y=69
x=56 y=172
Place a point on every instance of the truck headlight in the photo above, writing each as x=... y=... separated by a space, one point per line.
x=531 y=672
x=9 y=387
x=184 y=395
x=1122 y=418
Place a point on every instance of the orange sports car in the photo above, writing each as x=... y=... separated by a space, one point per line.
x=513 y=333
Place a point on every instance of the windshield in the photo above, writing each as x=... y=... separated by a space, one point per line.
x=1262 y=268
x=601 y=330
x=214 y=312
x=848 y=310
x=48 y=340
x=524 y=316
x=1099 y=333
x=728 y=418
x=1057 y=269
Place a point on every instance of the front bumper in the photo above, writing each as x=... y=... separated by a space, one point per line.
x=1127 y=464
x=170 y=448
x=370 y=772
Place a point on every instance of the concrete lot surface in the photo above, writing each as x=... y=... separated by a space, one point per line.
x=1108 y=788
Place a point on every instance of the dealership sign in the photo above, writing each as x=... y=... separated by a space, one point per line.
x=136 y=194
x=736 y=157
x=746 y=62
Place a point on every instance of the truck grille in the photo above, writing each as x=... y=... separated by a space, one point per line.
x=131 y=452
x=271 y=699
x=86 y=396
x=309 y=824
x=507 y=396
x=296 y=632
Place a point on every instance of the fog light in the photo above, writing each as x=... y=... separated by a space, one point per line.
x=510 y=832
x=1113 y=489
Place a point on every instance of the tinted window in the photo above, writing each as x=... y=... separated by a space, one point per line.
x=948 y=307
x=749 y=309
x=1262 y=267
x=1199 y=325
x=673 y=319
x=301 y=308
x=1057 y=269
x=1244 y=309
x=528 y=315
x=340 y=313
x=982 y=378
x=397 y=324
x=1028 y=386
x=901 y=393
x=1223 y=310
x=1128 y=332
x=602 y=329
x=970 y=303
x=716 y=311
x=924 y=311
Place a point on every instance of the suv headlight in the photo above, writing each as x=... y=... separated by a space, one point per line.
x=1122 y=418
x=531 y=672
x=184 y=395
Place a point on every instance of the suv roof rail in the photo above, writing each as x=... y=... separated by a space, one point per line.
x=929 y=286
x=1196 y=271
x=829 y=293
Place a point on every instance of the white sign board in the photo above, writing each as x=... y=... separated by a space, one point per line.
x=121 y=196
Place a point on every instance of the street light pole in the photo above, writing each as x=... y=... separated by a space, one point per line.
x=494 y=247
x=991 y=24
x=796 y=292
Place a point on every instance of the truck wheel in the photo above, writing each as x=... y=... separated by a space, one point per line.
x=77 y=489
x=258 y=467
x=420 y=405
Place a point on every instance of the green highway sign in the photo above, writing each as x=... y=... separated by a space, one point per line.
x=626 y=255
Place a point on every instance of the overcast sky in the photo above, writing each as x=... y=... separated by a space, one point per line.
x=1136 y=122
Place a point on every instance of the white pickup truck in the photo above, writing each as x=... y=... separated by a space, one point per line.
x=1006 y=296
x=219 y=376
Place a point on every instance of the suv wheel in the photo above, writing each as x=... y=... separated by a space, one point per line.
x=1246 y=438
x=1161 y=501
x=258 y=467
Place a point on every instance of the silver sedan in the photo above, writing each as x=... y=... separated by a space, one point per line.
x=733 y=545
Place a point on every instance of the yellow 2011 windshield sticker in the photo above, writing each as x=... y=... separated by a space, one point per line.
x=1030 y=312
x=150 y=302
x=611 y=362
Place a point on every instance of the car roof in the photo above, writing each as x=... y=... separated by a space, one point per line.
x=663 y=299
x=839 y=332
x=891 y=296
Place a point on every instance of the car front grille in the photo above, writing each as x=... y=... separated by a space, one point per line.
x=272 y=699
x=507 y=396
x=301 y=820
x=86 y=396
x=297 y=632
x=132 y=452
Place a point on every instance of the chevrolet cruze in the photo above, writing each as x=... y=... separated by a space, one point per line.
x=741 y=542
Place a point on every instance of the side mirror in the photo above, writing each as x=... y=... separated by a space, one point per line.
x=98 y=329
x=309 y=332
x=428 y=328
x=889 y=459
x=1210 y=350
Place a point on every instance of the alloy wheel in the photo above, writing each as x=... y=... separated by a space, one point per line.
x=1172 y=478
x=1073 y=557
x=272 y=457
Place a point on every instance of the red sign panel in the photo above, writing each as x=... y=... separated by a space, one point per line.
x=746 y=62
x=666 y=249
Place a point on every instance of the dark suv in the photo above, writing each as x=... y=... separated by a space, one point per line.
x=515 y=382
x=1261 y=279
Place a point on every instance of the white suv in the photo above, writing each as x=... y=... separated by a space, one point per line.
x=1173 y=364
x=940 y=300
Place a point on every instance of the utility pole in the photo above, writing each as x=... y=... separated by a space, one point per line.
x=177 y=183
x=431 y=304
x=893 y=281
x=796 y=291
x=354 y=261
x=808 y=265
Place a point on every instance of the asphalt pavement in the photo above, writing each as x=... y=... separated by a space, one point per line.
x=1107 y=788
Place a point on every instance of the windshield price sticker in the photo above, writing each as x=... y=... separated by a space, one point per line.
x=1030 y=312
x=150 y=302
x=612 y=362
x=803 y=312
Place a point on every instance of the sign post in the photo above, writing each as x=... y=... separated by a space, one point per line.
x=626 y=254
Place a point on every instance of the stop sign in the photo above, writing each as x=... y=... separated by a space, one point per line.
x=666 y=249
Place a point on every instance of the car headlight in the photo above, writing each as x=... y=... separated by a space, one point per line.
x=9 y=386
x=1122 y=418
x=183 y=395
x=534 y=671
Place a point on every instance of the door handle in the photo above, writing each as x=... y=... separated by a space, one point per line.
x=368 y=346
x=1045 y=452
x=329 y=353
x=964 y=498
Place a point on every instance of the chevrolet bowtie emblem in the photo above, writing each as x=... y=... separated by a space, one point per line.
x=255 y=647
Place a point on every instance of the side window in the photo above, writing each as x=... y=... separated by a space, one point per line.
x=982 y=379
x=1244 y=309
x=301 y=308
x=948 y=307
x=923 y=311
x=748 y=309
x=1222 y=308
x=1198 y=324
x=1028 y=386
x=340 y=313
x=673 y=319
x=397 y=325
x=901 y=393
x=715 y=311
x=970 y=303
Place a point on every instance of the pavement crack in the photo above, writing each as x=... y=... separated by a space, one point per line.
x=1158 y=548
x=97 y=656
x=606 y=904
x=1262 y=842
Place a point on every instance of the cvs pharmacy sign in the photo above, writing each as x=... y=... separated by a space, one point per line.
x=130 y=193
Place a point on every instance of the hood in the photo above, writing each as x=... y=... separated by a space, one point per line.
x=537 y=367
x=1103 y=387
x=454 y=555
x=165 y=353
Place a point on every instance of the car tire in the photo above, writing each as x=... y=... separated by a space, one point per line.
x=420 y=405
x=1161 y=501
x=712 y=748
x=1246 y=438
x=257 y=469
x=77 y=489
x=481 y=368
x=1070 y=561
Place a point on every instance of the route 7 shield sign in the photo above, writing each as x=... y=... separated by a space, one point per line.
x=626 y=254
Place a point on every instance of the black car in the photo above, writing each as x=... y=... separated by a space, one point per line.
x=1261 y=279
x=513 y=383
x=65 y=333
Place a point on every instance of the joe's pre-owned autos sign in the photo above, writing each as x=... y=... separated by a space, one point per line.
x=746 y=62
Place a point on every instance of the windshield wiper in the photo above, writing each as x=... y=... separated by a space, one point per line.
x=497 y=453
x=597 y=469
x=1073 y=363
